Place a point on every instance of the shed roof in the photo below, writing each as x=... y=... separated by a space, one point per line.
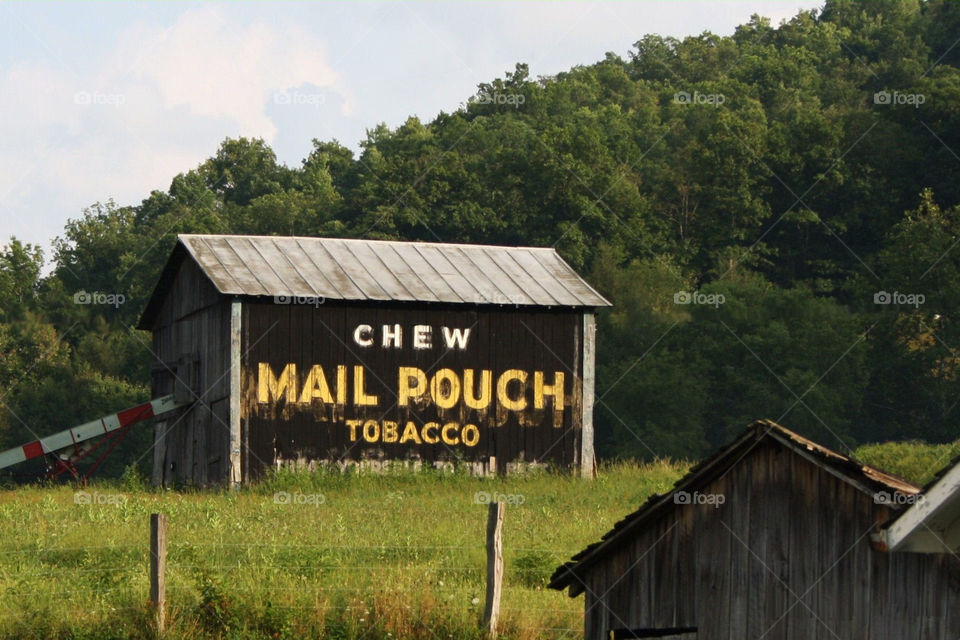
x=379 y=270
x=865 y=478
x=930 y=524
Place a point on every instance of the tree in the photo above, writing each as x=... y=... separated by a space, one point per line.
x=20 y=266
x=916 y=343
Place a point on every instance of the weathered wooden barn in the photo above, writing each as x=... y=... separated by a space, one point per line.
x=772 y=537
x=315 y=350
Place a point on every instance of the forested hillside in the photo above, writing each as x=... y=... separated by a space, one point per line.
x=774 y=215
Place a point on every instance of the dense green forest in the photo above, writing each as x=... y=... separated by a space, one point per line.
x=775 y=215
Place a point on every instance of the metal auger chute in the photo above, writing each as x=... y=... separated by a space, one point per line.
x=64 y=449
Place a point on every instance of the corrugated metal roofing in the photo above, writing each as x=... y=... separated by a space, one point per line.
x=378 y=270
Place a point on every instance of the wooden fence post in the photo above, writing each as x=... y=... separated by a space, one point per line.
x=491 y=610
x=158 y=567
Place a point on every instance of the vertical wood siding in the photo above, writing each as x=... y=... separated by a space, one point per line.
x=280 y=432
x=787 y=556
x=191 y=342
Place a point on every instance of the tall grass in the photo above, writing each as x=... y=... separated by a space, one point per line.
x=398 y=554
x=917 y=462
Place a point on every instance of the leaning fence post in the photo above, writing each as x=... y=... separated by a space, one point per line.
x=158 y=567
x=491 y=610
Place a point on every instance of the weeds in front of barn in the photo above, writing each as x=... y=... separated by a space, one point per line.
x=395 y=554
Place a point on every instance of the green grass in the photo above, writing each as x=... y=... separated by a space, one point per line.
x=393 y=555
x=917 y=462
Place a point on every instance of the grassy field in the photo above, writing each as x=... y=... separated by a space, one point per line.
x=399 y=555
x=325 y=555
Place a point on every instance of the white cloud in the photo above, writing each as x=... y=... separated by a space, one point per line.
x=157 y=104
x=218 y=69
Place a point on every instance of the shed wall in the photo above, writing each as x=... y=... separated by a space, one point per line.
x=191 y=343
x=788 y=555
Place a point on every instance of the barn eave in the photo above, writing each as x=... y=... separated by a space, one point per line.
x=378 y=271
x=931 y=524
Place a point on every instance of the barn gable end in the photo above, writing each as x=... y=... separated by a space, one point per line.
x=190 y=326
x=779 y=546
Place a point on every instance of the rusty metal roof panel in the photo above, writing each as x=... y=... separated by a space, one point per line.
x=343 y=286
x=455 y=275
x=390 y=271
x=433 y=286
x=215 y=269
x=495 y=284
x=567 y=285
x=363 y=275
x=238 y=266
x=483 y=288
x=273 y=273
x=344 y=269
x=282 y=263
x=543 y=290
x=393 y=266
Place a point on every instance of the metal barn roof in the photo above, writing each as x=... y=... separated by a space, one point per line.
x=378 y=270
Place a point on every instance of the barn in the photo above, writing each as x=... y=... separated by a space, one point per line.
x=775 y=536
x=306 y=351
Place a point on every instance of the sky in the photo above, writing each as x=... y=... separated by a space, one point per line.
x=112 y=100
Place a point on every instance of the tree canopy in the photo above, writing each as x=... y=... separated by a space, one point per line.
x=774 y=214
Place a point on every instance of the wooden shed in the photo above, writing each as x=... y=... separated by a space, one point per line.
x=305 y=351
x=772 y=537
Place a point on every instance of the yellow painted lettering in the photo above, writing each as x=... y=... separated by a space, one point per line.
x=353 y=424
x=273 y=387
x=410 y=433
x=470 y=435
x=427 y=429
x=541 y=390
x=448 y=439
x=503 y=396
x=371 y=430
x=390 y=431
x=481 y=401
x=315 y=386
x=360 y=396
x=342 y=384
x=445 y=388
x=406 y=391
